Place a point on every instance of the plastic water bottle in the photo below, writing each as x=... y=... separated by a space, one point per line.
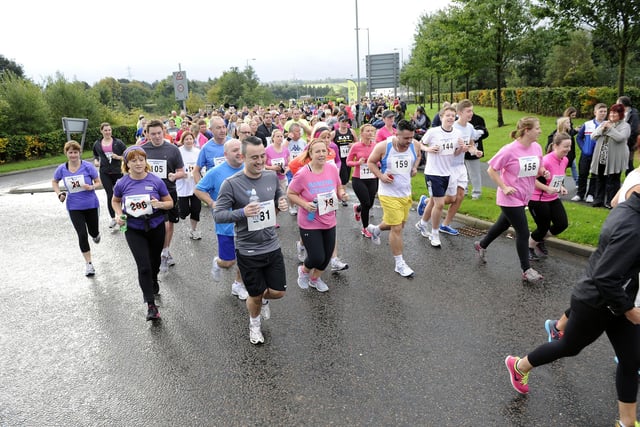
x=123 y=227
x=254 y=198
x=311 y=215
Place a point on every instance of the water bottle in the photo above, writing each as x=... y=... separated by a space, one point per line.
x=312 y=214
x=123 y=227
x=254 y=198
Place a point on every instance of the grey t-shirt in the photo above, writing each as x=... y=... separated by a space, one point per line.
x=234 y=196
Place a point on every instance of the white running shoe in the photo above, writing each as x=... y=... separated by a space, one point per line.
x=319 y=285
x=238 y=289
x=435 y=240
x=170 y=261
x=97 y=238
x=216 y=270
x=303 y=278
x=301 y=251
x=89 y=270
x=404 y=270
x=293 y=210
x=589 y=199
x=164 y=267
x=112 y=223
x=255 y=334
x=375 y=234
x=423 y=230
x=195 y=234
x=338 y=265
x=576 y=198
x=532 y=276
x=265 y=310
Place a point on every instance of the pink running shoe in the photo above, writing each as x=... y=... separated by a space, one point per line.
x=519 y=381
x=365 y=233
x=356 y=212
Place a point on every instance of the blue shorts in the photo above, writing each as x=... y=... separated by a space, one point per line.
x=226 y=248
x=437 y=185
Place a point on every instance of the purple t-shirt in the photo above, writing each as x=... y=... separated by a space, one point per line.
x=128 y=189
x=78 y=198
x=518 y=166
x=309 y=186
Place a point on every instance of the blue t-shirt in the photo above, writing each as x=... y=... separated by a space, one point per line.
x=150 y=185
x=211 y=154
x=211 y=183
x=78 y=198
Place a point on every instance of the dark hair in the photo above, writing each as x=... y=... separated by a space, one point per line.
x=405 y=125
x=618 y=108
x=253 y=140
x=625 y=100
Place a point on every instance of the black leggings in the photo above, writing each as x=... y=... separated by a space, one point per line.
x=585 y=325
x=345 y=172
x=108 y=180
x=146 y=248
x=365 y=190
x=189 y=205
x=549 y=216
x=606 y=186
x=512 y=216
x=319 y=245
x=83 y=221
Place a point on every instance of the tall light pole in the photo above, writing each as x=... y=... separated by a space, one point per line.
x=401 y=60
x=250 y=59
x=358 y=57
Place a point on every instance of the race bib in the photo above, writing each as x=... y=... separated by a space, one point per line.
x=448 y=147
x=278 y=162
x=218 y=160
x=74 y=183
x=327 y=202
x=344 y=151
x=265 y=218
x=528 y=166
x=557 y=181
x=158 y=167
x=399 y=164
x=268 y=138
x=365 y=172
x=138 y=205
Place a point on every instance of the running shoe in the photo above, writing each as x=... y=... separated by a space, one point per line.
x=375 y=234
x=338 y=265
x=422 y=204
x=519 y=381
x=216 y=270
x=356 y=212
x=170 y=261
x=319 y=285
x=532 y=276
x=589 y=199
x=293 y=210
x=97 y=238
x=619 y=424
x=435 y=240
x=195 y=235
x=404 y=270
x=301 y=251
x=303 y=278
x=482 y=252
x=576 y=198
x=164 y=267
x=344 y=203
x=541 y=249
x=553 y=333
x=112 y=223
x=152 y=312
x=265 y=310
x=238 y=290
x=255 y=334
x=424 y=231
x=89 y=270
x=365 y=233
x=533 y=256
x=449 y=230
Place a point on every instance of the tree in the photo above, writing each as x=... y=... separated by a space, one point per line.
x=570 y=64
x=616 y=21
x=71 y=99
x=9 y=65
x=23 y=110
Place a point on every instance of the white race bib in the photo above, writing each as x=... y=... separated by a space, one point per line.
x=557 y=181
x=399 y=164
x=278 y=162
x=528 y=166
x=218 y=160
x=74 y=183
x=448 y=147
x=344 y=151
x=265 y=218
x=327 y=202
x=365 y=172
x=138 y=205
x=158 y=167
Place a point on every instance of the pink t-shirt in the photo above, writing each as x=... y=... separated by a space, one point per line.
x=383 y=133
x=518 y=166
x=309 y=186
x=282 y=157
x=556 y=168
x=359 y=151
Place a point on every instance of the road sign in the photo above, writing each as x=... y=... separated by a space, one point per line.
x=383 y=71
x=180 y=85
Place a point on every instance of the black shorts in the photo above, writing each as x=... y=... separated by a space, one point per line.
x=262 y=272
x=173 y=214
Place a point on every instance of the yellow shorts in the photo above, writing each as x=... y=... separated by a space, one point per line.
x=395 y=210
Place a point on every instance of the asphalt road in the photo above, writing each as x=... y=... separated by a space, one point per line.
x=377 y=349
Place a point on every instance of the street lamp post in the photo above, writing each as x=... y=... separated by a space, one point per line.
x=401 y=63
x=250 y=59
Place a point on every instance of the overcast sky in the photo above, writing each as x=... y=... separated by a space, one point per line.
x=145 y=40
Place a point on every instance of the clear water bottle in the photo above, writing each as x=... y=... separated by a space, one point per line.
x=311 y=215
x=254 y=198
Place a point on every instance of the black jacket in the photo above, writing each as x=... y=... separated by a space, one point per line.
x=611 y=278
x=110 y=167
x=263 y=133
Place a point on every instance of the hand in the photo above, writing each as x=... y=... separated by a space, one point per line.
x=344 y=197
x=508 y=190
x=88 y=187
x=156 y=204
x=283 y=205
x=479 y=153
x=62 y=196
x=171 y=177
x=633 y=315
x=119 y=220
x=546 y=174
x=387 y=178
x=252 y=209
x=435 y=149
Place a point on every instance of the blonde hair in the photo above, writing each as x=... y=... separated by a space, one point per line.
x=72 y=145
x=524 y=124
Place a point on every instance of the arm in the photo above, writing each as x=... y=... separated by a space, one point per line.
x=178 y=174
x=196 y=174
x=165 y=202
x=580 y=137
x=224 y=212
x=495 y=177
x=374 y=159
x=205 y=197
x=56 y=188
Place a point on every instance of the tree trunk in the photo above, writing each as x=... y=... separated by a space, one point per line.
x=622 y=68
x=499 y=94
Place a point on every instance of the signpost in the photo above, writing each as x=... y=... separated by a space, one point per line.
x=383 y=71
x=181 y=87
x=71 y=125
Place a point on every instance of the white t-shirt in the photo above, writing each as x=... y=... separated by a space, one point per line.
x=630 y=181
x=186 y=185
x=439 y=163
